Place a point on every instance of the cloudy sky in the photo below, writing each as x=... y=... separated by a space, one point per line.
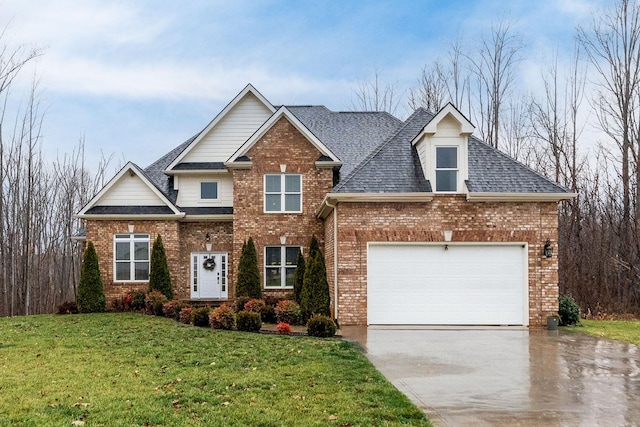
x=136 y=78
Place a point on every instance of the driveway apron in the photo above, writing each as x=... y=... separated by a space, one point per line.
x=490 y=377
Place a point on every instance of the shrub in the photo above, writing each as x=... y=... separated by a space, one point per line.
x=172 y=309
x=185 y=315
x=314 y=295
x=200 y=316
x=68 y=307
x=284 y=328
x=117 y=305
x=268 y=314
x=288 y=311
x=222 y=317
x=298 y=278
x=568 y=310
x=248 y=283
x=138 y=301
x=240 y=302
x=159 y=278
x=154 y=302
x=248 y=321
x=90 y=292
x=254 y=306
x=321 y=326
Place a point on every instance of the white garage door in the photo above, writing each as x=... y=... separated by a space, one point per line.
x=466 y=284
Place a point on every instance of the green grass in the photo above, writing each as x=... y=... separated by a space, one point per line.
x=136 y=370
x=620 y=330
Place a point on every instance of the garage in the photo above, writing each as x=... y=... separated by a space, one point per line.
x=447 y=284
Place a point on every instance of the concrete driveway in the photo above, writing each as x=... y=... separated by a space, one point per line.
x=514 y=377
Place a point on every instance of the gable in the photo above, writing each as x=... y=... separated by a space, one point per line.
x=129 y=190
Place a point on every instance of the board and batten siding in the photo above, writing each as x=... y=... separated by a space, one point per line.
x=130 y=191
x=231 y=132
x=189 y=190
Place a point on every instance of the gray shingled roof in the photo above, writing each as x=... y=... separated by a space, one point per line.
x=207 y=210
x=156 y=175
x=190 y=166
x=393 y=167
x=349 y=135
x=130 y=210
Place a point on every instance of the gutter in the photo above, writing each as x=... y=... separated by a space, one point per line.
x=335 y=257
x=519 y=197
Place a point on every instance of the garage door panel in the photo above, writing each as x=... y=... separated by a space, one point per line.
x=426 y=284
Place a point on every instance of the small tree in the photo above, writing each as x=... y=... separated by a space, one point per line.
x=159 y=277
x=298 y=278
x=248 y=283
x=90 y=293
x=315 y=287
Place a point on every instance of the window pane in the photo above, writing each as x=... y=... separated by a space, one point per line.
x=273 y=277
x=142 y=271
x=208 y=190
x=290 y=276
x=446 y=180
x=272 y=255
x=272 y=202
x=141 y=236
x=123 y=271
x=141 y=250
x=272 y=183
x=446 y=157
x=291 y=255
x=123 y=251
x=292 y=203
x=292 y=183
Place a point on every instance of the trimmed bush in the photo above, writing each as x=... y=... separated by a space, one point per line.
x=200 y=316
x=154 y=302
x=284 y=328
x=288 y=311
x=185 y=315
x=240 y=302
x=69 y=307
x=248 y=321
x=172 y=309
x=248 y=283
x=321 y=326
x=138 y=301
x=268 y=314
x=568 y=310
x=159 y=278
x=315 y=287
x=90 y=292
x=254 y=306
x=298 y=278
x=222 y=317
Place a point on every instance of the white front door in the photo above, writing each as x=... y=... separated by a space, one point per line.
x=209 y=275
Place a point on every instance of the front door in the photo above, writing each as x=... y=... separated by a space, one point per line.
x=209 y=275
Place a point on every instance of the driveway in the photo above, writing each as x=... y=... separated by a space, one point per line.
x=489 y=377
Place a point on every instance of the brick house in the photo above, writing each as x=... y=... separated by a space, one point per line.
x=420 y=222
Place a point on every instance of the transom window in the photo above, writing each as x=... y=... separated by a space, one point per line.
x=280 y=266
x=208 y=190
x=283 y=193
x=131 y=257
x=447 y=169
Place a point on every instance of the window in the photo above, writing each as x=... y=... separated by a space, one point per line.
x=131 y=257
x=283 y=193
x=209 y=190
x=280 y=266
x=446 y=168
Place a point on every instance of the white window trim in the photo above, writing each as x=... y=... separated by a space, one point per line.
x=436 y=168
x=283 y=276
x=131 y=239
x=282 y=193
x=217 y=190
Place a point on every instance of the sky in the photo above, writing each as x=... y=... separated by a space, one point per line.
x=137 y=78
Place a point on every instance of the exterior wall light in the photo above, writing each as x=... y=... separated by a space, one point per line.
x=207 y=240
x=548 y=249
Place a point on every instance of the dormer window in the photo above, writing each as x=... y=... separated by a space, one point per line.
x=446 y=169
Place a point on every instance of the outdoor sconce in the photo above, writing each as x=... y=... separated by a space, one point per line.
x=207 y=239
x=548 y=249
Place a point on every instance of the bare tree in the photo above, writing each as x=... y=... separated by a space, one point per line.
x=431 y=93
x=374 y=95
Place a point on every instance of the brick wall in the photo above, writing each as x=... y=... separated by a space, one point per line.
x=281 y=145
x=359 y=223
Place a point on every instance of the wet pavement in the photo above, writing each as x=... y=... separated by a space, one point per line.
x=511 y=377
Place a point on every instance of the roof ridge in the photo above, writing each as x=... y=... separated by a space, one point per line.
x=377 y=150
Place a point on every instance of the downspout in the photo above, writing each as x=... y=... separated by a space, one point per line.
x=335 y=258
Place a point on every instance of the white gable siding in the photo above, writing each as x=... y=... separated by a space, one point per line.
x=189 y=194
x=130 y=191
x=231 y=132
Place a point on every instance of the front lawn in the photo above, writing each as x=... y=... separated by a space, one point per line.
x=131 y=369
x=621 y=330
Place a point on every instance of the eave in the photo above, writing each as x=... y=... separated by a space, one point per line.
x=332 y=199
x=195 y=171
x=129 y=217
x=239 y=165
x=519 y=197
x=210 y=218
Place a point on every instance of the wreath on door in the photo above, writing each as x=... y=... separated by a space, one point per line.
x=209 y=264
